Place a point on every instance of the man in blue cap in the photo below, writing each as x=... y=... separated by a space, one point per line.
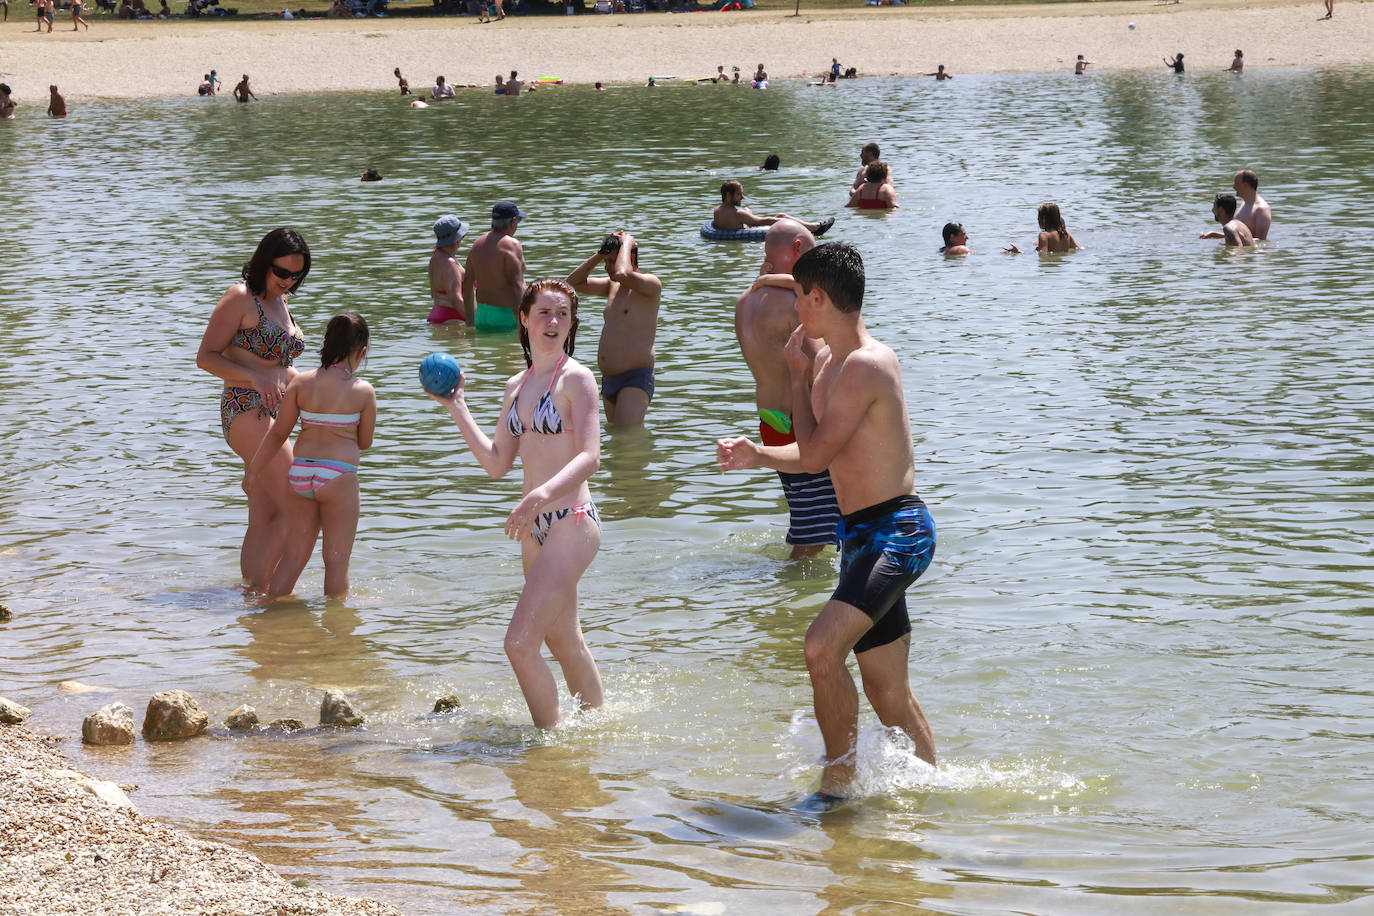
x=496 y=266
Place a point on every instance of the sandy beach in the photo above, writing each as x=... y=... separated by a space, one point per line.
x=153 y=59
x=73 y=845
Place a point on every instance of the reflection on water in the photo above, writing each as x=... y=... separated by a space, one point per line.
x=1149 y=462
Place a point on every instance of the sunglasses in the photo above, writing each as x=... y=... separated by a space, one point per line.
x=283 y=274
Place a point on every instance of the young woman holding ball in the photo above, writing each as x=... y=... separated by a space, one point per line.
x=338 y=414
x=550 y=418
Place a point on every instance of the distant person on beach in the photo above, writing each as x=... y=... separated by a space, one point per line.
x=625 y=354
x=370 y=175
x=206 y=87
x=1237 y=63
x=242 y=92
x=77 y=21
x=446 y=274
x=251 y=343
x=1254 y=210
x=1330 y=9
x=877 y=192
x=402 y=82
x=549 y=418
x=765 y=317
x=731 y=214
x=45 y=15
x=868 y=154
x=1236 y=233
x=760 y=75
x=939 y=74
x=337 y=414
x=57 y=106
x=598 y=87
x=770 y=163
x=514 y=84
x=500 y=84
x=720 y=76
x=835 y=68
x=214 y=82
x=956 y=240
x=6 y=5
x=1081 y=64
x=1176 y=63
x=849 y=416
x=6 y=103
x=495 y=270
x=441 y=91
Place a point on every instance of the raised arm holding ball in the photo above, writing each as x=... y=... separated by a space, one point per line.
x=550 y=418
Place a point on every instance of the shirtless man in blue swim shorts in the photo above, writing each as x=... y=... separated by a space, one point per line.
x=852 y=419
x=625 y=354
x=765 y=317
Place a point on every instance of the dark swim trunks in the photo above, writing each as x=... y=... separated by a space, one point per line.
x=642 y=378
x=883 y=549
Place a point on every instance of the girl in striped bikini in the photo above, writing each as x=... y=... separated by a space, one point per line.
x=338 y=414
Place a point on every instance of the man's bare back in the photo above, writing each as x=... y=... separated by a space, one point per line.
x=495 y=271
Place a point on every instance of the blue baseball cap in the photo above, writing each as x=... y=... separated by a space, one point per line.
x=504 y=209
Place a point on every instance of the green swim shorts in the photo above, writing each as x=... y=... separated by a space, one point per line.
x=494 y=318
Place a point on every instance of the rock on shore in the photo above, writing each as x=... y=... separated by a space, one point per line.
x=64 y=851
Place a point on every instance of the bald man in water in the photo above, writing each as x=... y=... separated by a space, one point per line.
x=765 y=318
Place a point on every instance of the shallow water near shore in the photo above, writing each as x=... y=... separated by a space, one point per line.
x=1143 y=645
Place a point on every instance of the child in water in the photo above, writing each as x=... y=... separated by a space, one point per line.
x=337 y=413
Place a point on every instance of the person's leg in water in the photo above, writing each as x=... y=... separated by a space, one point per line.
x=887 y=684
x=302 y=523
x=549 y=599
x=628 y=408
x=340 y=503
x=265 y=538
x=829 y=640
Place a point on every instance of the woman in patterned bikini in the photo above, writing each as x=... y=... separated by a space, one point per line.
x=251 y=343
x=550 y=418
x=338 y=414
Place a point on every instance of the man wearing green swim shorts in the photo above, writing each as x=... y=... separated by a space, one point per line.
x=496 y=266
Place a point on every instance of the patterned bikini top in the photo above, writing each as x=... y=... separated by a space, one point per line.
x=270 y=340
x=545 y=419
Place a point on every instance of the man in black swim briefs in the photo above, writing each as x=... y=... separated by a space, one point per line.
x=852 y=419
x=625 y=354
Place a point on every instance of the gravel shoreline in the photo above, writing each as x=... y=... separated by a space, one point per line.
x=66 y=850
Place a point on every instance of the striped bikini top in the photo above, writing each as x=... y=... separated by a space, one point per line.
x=545 y=419
x=335 y=420
x=269 y=340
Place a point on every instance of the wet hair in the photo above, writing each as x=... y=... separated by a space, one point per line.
x=611 y=247
x=771 y=162
x=837 y=270
x=950 y=231
x=1050 y=219
x=372 y=175
x=553 y=285
x=345 y=334
x=1239 y=52
x=1249 y=177
x=1180 y=56
x=4 y=87
x=514 y=75
x=729 y=188
x=276 y=244
x=875 y=172
x=1227 y=202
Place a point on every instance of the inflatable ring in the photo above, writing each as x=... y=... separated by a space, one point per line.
x=550 y=81
x=750 y=234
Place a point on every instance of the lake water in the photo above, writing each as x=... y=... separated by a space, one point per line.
x=1144 y=646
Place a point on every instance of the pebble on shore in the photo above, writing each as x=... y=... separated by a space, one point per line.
x=64 y=850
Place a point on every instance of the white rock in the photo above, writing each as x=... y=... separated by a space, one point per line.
x=12 y=713
x=109 y=725
x=102 y=789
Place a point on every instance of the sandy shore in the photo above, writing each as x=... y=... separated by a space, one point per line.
x=64 y=850
x=160 y=59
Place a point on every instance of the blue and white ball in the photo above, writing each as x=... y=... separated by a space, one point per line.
x=439 y=373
